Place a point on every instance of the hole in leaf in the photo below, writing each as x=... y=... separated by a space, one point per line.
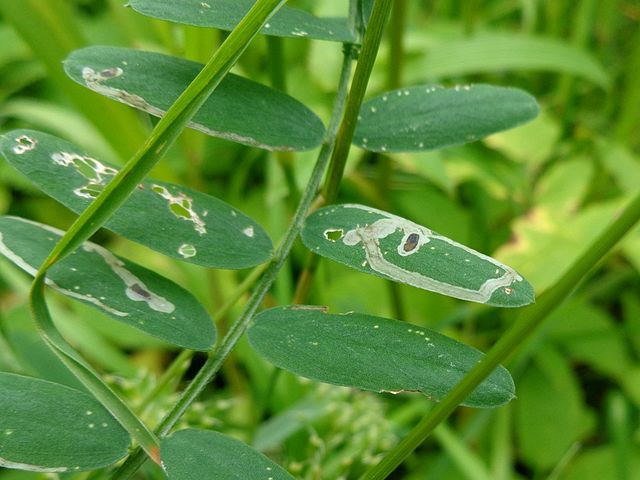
x=333 y=235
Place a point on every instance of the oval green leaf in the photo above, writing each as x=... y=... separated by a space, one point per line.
x=429 y=117
x=174 y=220
x=395 y=248
x=196 y=454
x=46 y=427
x=119 y=288
x=239 y=109
x=498 y=52
x=226 y=14
x=372 y=353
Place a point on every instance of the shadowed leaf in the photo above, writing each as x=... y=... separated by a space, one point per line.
x=119 y=288
x=239 y=110
x=174 y=220
x=46 y=427
x=392 y=247
x=430 y=117
x=372 y=353
x=198 y=454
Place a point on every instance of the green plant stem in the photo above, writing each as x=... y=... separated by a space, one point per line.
x=531 y=318
x=396 y=43
x=118 y=190
x=165 y=132
x=176 y=367
x=214 y=362
x=370 y=45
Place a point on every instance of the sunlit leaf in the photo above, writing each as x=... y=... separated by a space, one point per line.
x=177 y=221
x=372 y=353
x=47 y=427
x=498 y=52
x=118 y=287
x=239 y=109
x=226 y=14
x=428 y=117
x=550 y=414
x=196 y=454
x=392 y=247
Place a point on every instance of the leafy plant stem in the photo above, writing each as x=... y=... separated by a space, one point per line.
x=531 y=318
x=117 y=191
x=377 y=21
x=166 y=131
x=214 y=362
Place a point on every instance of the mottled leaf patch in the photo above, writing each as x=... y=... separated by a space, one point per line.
x=392 y=247
x=200 y=454
x=119 y=288
x=429 y=117
x=226 y=14
x=46 y=427
x=372 y=353
x=239 y=109
x=174 y=220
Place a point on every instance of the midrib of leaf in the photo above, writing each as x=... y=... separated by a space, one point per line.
x=117 y=191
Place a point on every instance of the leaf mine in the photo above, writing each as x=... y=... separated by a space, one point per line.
x=392 y=247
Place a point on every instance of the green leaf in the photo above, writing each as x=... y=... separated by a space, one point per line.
x=174 y=220
x=197 y=454
x=429 y=117
x=46 y=427
x=372 y=353
x=392 y=247
x=550 y=414
x=239 y=109
x=497 y=52
x=225 y=15
x=119 y=288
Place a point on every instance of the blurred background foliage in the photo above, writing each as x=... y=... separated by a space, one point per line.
x=533 y=197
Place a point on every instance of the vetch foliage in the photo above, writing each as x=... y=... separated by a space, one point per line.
x=372 y=353
x=362 y=351
x=174 y=220
x=240 y=110
x=392 y=247
x=46 y=427
x=119 y=288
